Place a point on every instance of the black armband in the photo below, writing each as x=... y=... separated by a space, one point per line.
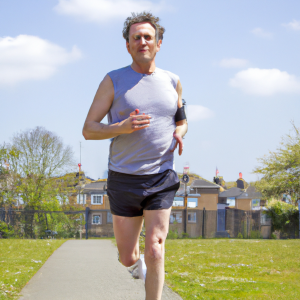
x=180 y=114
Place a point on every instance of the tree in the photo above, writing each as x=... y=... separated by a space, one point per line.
x=36 y=157
x=41 y=152
x=8 y=179
x=280 y=170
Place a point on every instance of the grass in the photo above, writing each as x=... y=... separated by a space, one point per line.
x=233 y=269
x=20 y=260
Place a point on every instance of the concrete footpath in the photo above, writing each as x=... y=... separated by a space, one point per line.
x=86 y=269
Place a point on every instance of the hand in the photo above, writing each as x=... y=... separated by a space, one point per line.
x=179 y=141
x=135 y=122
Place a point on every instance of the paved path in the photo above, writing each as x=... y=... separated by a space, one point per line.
x=86 y=269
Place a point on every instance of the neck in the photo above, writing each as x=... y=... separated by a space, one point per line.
x=146 y=68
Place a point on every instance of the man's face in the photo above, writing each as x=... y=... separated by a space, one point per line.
x=142 y=44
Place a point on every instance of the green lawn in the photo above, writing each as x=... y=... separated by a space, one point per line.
x=234 y=269
x=20 y=260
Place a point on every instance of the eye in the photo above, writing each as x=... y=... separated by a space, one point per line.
x=147 y=37
x=137 y=37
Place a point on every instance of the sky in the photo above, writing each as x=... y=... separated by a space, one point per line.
x=238 y=62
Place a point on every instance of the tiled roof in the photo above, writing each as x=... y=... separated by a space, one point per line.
x=202 y=183
x=96 y=185
x=233 y=192
x=250 y=193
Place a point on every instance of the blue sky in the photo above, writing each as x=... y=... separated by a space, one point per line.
x=238 y=62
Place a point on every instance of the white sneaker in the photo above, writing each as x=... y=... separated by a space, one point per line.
x=142 y=267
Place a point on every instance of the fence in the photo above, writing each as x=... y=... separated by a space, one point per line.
x=231 y=223
x=43 y=224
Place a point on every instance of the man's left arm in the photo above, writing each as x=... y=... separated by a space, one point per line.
x=181 y=126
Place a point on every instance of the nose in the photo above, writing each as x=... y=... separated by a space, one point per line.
x=142 y=41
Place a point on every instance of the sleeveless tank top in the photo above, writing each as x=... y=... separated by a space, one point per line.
x=146 y=151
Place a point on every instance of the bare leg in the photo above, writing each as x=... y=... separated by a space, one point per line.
x=127 y=231
x=157 y=226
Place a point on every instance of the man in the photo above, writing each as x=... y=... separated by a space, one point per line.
x=146 y=124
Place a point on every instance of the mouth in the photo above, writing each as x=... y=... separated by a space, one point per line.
x=143 y=50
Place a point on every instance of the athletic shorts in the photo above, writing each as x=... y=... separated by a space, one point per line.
x=129 y=194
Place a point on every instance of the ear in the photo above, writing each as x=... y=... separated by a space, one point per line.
x=127 y=47
x=158 y=45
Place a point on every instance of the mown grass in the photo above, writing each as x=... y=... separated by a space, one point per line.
x=233 y=269
x=20 y=260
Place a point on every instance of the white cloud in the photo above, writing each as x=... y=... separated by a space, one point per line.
x=198 y=112
x=259 y=32
x=294 y=25
x=28 y=57
x=233 y=63
x=104 y=10
x=265 y=82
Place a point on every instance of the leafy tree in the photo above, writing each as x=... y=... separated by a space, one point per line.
x=280 y=170
x=40 y=152
x=35 y=158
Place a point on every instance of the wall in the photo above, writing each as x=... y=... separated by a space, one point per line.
x=100 y=230
x=243 y=204
x=209 y=201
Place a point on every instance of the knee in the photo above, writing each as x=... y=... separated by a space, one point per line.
x=154 y=250
x=128 y=260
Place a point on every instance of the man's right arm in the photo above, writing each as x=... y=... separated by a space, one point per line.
x=93 y=129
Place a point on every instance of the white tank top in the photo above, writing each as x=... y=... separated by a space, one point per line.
x=146 y=151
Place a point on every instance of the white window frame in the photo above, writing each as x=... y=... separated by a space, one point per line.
x=192 y=219
x=111 y=219
x=178 y=217
x=82 y=197
x=97 y=215
x=97 y=195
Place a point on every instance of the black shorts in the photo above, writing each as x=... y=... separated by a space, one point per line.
x=129 y=194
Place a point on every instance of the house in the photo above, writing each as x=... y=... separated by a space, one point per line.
x=93 y=196
x=200 y=194
x=208 y=194
x=248 y=199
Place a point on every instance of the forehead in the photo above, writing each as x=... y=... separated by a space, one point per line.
x=143 y=27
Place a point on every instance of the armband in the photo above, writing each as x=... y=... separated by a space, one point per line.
x=180 y=114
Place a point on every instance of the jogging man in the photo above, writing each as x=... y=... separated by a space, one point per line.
x=146 y=124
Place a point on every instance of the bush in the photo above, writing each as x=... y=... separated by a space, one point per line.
x=185 y=235
x=273 y=236
x=172 y=235
x=6 y=230
x=282 y=214
x=255 y=234
x=240 y=236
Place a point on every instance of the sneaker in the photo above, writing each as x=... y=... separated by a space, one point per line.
x=142 y=267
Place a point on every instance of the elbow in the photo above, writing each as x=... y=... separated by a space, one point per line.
x=86 y=134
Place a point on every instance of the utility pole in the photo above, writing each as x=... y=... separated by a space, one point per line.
x=185 y=179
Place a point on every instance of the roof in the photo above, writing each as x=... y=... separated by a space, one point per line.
x=232 y=192
x=250 y=193
x=202 y=183
x=96 y=185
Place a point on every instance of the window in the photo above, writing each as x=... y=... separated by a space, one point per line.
x=192 y=217
x=97 y=219
x=97 y=199
x=192 y=202
x=176 y=217
x=81 y=198
x=109 y=217
x=178 y=201
x=264 y=219
x=231 y=201
x=255 y=204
